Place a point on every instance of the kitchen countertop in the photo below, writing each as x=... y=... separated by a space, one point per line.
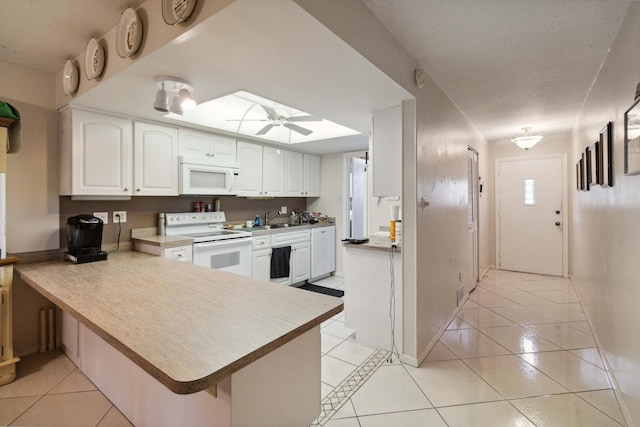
x=149 y=235
x=188 y=326
x=375 y=243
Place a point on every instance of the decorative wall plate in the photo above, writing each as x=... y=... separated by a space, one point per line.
x=176 y=11
x=128 y=33
x=70 y=78
x=93 y=60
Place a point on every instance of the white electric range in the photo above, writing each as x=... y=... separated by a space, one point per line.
x=213 y=246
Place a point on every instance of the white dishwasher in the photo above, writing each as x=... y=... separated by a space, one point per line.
x=323 y=251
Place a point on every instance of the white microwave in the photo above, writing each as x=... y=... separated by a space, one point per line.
x=201 y=177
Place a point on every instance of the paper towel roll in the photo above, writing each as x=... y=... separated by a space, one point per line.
x=394 y=212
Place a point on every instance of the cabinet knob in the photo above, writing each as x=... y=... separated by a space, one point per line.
x=137 y=189
x=126 y=189
x=208 y=155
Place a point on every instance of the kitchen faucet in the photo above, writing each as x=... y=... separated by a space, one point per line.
x=268 y=218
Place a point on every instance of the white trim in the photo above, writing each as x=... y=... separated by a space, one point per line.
x=565 y=204
x=614 y=383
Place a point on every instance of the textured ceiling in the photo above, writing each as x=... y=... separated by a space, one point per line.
x=505 y=63
x=508 y=63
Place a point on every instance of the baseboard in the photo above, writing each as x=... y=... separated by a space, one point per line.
x=27 y=351
x=616 y=387
x=486 y=270
x=441 y=331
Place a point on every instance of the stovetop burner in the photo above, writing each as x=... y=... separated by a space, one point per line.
x=201 y=226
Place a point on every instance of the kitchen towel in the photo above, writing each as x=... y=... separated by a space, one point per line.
x=280 y=262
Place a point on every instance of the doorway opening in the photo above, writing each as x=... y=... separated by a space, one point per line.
x=356 y=191
x=473 y=195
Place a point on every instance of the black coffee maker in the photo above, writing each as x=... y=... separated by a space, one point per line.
x=84 y=239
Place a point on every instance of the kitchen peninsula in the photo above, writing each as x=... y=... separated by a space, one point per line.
x=171 y=343
x=373 y=286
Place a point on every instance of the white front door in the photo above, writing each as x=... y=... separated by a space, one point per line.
x=530 y=229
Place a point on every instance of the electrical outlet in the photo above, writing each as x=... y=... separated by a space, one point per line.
x=122 y=214
x=104 y=216
x=283 y=210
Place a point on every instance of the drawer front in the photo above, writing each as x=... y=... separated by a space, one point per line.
x=285 y=239
x=262 y=242
x=182 y=253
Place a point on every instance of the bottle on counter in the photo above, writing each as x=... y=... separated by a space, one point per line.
x=162 y=228
x=398 y=236
x=256 y=222
x=216 y=204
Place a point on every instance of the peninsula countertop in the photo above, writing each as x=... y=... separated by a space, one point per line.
x=186 y=325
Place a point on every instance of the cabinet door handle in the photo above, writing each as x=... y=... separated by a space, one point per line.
x=126 y=189
x=137 y=189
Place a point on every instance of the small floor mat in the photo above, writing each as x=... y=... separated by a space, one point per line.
x=322 y=290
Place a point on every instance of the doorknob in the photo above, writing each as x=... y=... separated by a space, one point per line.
x=558 y=223
x=557 y=212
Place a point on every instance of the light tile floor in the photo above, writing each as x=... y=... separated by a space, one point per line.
x=520 y=352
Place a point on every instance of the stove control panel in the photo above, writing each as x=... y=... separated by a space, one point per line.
x=187 y=218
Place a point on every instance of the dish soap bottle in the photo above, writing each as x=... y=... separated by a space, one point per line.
x=256 y=222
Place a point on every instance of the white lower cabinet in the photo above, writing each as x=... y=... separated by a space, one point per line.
x=181 y=253
x=261 y=258
x=300 y=261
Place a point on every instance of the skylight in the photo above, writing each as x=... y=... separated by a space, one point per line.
x=248 y=114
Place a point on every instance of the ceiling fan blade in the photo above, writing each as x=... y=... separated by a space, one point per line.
x=299 y=129
x=265 y=129
x=270 y=112
x=304 y=119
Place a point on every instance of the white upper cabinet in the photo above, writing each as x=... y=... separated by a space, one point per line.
x=273 y=171
x=311 y=175
x=386 y=152
x=96 y=154
x=293 y=177
x=194 y=143
x=250 y=159
x=155 y=154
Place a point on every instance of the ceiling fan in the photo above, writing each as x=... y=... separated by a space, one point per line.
x=277 y=120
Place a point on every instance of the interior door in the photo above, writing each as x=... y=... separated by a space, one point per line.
x=529 y=196
x=472 y=220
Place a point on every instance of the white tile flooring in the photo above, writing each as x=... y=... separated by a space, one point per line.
x=519 y=353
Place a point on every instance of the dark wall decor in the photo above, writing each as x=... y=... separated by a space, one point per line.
x=589 y=167
x=632 y=139
x=595 y=166
x=605 y=156
x=584 y=184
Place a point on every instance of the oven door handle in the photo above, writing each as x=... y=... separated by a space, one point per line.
x=223 y=243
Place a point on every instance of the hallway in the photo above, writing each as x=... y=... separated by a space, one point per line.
x=520 y=352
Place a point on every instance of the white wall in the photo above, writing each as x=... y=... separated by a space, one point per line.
x=434 y=167
x=32 y=187
x=606 y=238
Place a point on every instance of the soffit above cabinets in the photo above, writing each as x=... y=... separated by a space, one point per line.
x=280 y=53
